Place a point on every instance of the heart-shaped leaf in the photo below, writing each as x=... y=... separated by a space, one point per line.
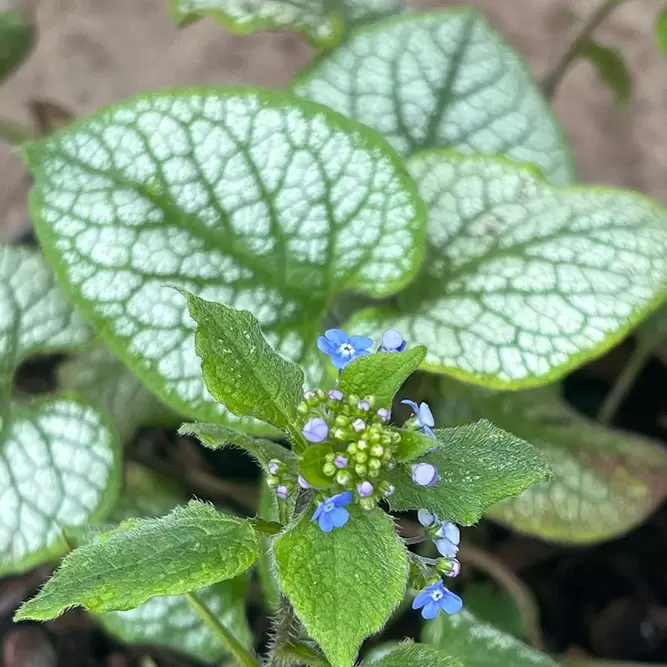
x=60 y=446
x=251 y=198
x=17 y=37
x=108 y=384
x=604 y=482
x=170 y=620
x=321 y=21
x=343 y=585
x=611 y=68
x=478 y=465
x=478 y=644
x=192 y=547
x=444 y=79
x=523 y=281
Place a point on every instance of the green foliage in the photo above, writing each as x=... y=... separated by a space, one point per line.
x=17 y=38
x=246 y=197
x=108 y=384
x=192 y=547
x=59 y=445
x=343 y=585
x=611 y=68
x=321 y=21
x=478 y=464
x=415 y=655
x=241 y=370
x=478 y=644
x=604 y=482
x=381 y=375
x=523 y=282
x=443 y=79
x=661 y=31
x=216 y=436
x=170 y=620
x=495 y=607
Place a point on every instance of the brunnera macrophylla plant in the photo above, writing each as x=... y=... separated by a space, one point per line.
x=341 y=563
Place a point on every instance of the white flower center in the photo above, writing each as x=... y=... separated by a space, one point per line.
x=346 y=350
x=437 y=595
x=329 y=506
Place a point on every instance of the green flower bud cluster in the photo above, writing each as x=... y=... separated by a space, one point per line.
x=363 y=444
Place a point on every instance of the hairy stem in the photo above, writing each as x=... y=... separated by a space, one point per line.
x=231 y=643
x=522 y=596
x=553 y=78
x=303 y=654
x=285 y=635
x=624 y=383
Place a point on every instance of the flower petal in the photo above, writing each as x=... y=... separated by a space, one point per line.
x=430 y=610
x=425 y=415
x=344 y=498
x=446 y=548
x=339 y=516
x=423 y=597
x=318 y=512
x=426 y=518
x=326 y=346
x=337 y=336
x=360 y=343
x=339 y=361
x=450 y=531
x=412 y=404
x=428 y=431
x=326 y=525
x=451 y=603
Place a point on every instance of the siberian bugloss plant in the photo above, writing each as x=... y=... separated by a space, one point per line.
x=272 y=268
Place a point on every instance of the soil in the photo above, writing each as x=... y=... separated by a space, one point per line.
x=607 y=601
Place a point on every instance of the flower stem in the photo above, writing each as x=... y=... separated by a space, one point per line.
x=14 y=133
x=244 y=657
x=624 y=382
x=554 y=77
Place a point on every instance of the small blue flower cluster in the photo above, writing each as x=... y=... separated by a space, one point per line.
x=446 y=536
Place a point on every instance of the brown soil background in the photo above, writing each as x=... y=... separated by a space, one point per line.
x=92 y=52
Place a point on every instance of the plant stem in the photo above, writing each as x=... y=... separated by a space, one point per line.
x=228 y=639
x=530 y=614
x=624 y=382
x=14 y=133
x=553 y=78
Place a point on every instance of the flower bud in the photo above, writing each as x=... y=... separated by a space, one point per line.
x=329 y=469
x=282 y=491
x=450 y=567
x=272 y=481
x=341 y=434
x=367 y=504
x=310 y=397
x=329 y=458
x=362 y=445
x=352 y=448
x=343 y=477
x=374 y=464
x=315 y=430
x=373 y=474
x=361 y=469
x=275 y=466
x=303 y=483
x=377 y=450
x=303 y=408
x=365 y=489
x=386 y=489
x=424 y=474
x=358 y=425
x=342 y=420
x=353 y=400
x=336 y=395
x=364 y=406
x=384 y=414
x=340 y=461
x=361 y=457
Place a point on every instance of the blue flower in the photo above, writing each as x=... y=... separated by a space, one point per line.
x=446 y=535
x=331 y=513
x=393 y=341
x=315 y=430
x=423 y=416
x=343 y=348
x=436 y=597
x=425 y=474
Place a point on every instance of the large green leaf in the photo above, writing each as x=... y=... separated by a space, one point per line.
x=478 y=644
x=17 y=37
x=192 y=547
x=241 y=370
x=415 y=655
x=524 y=282
x=170 y=620
x=58 y=456
x=322 y=21
x=661 y=31
x=107 y=383
x=343 y=585
x=604 y=481
x=246 y=197
x=478 y=465
x=444 y=79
